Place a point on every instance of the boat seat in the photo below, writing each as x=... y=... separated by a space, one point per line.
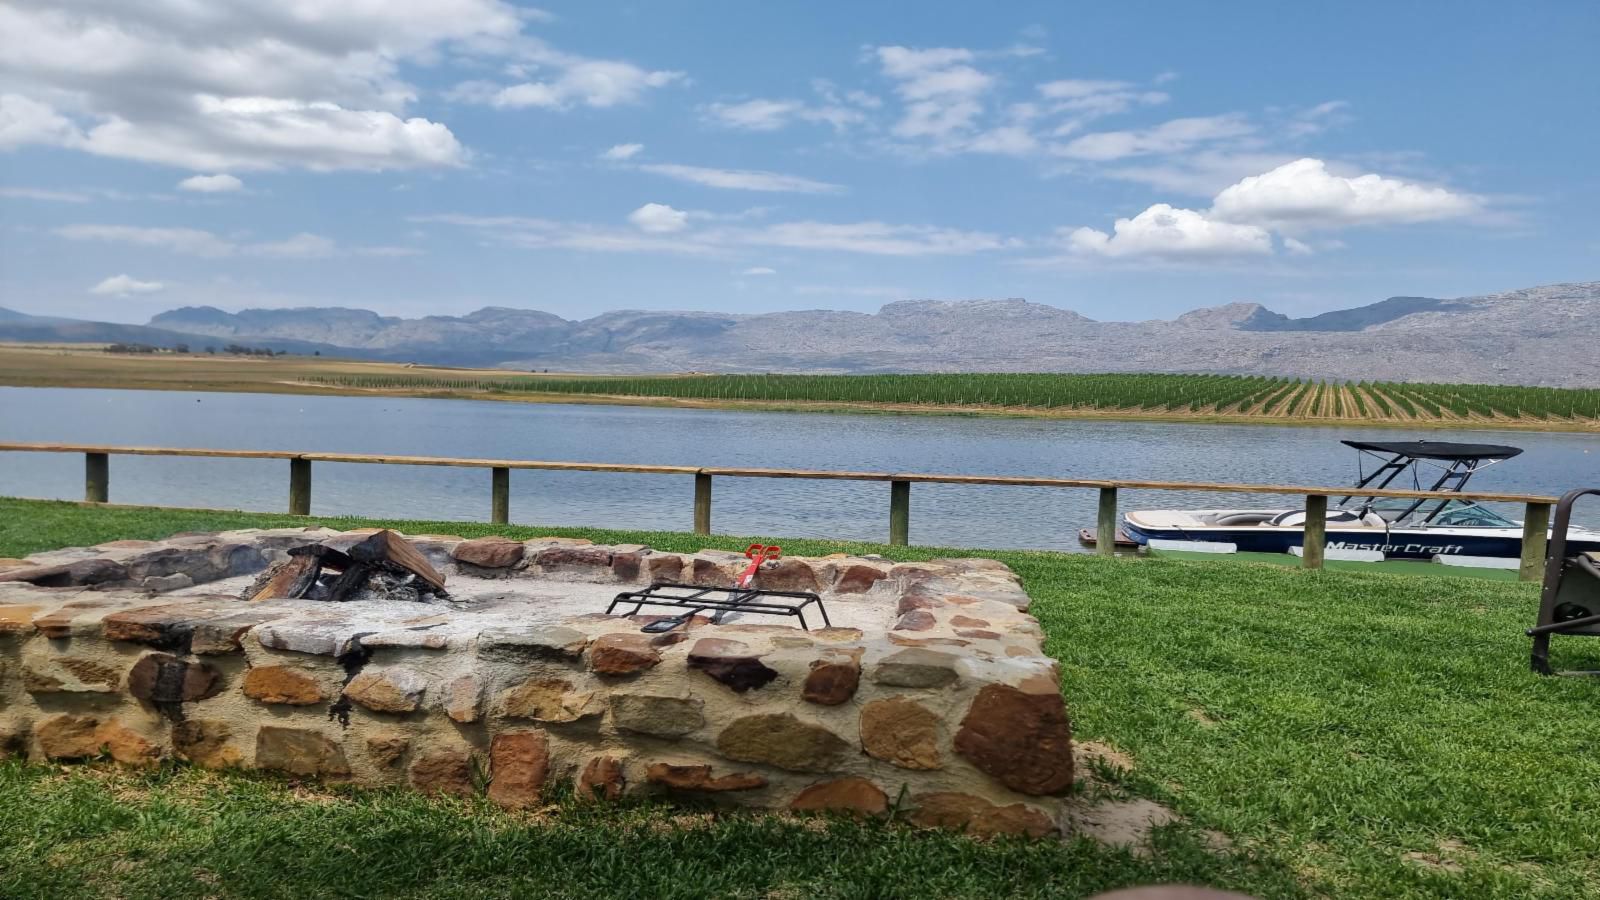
x=1296 y=517
x=1245 y=518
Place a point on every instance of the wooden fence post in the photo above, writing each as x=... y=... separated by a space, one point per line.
x=702 y=503
x=500 y=495
x=1105 y=538
x=1535 y=540
x=1316 y=533
x=899 y=513
x=299 y=487
x=96 y=477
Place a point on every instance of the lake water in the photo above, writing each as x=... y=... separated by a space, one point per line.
x=940 y=515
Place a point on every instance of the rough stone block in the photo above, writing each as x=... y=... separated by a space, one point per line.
x=788 y=575
x=16 y=619
x=205 y=743
x=627 y=566
x=833 y=678
x=386 y=748
x=284 y=685
x=519 y=762
x=553 y=642
x=299 y=751
x=85 y=737
x=73 y=574
x=856 y=578
x=49 y=673
x=462 y=699
x=780 y=739
x=549 y=700
x=732 y=663
x=1021 y=739
x=586 y=561
x=443 y=772
x=396 y=689
x=663 y=567
x=162 y=583
x=713 y=572
x=978 y=817
x=657 y=715
x=623 y=653
x=698 y=778
x=902 y=732
x=489 y=552
x=916 y=667
x=163 y=679
x=856 y=796
x=602 y=779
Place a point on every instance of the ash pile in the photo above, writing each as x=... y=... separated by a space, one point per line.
x=382 y=567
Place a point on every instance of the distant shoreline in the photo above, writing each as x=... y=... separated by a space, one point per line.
x=56 y=366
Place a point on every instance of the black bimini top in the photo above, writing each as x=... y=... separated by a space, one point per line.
x=1437 y=449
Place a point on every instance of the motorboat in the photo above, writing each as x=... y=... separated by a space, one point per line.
x=1399 y=528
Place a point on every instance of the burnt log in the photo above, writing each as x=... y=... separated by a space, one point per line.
x=387 y=547
x=290 y=579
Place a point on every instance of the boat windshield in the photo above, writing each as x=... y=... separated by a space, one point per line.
x=1456 y=513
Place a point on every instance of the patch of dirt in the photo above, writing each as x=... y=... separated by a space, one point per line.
x=1086 y=753
x=1431 y=861
x=1200 y=718
x=1121 y=823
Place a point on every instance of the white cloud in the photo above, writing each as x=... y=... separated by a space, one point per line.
x=658 y=218
x=1174 y=136
x=754 y=115
x=1200 y=173
x=188 y=241
x=1076 y=89
x=23 y=193
x=211 y=184
x=870 y=238
x=1294 y=197
x=1008 y=140
x=743 y=179
x=873 y=238
x=622 y=151
x=1166 y=232
x=300 y=246
x=759 y=270
x=125 y=285
x=940 y=89
x=841 y=110
x=196 y=242
x=595 y=83
x=1304 y=194
x=26 y=121
x=227 y=86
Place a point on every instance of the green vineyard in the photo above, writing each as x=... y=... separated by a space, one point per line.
x=1197 y=395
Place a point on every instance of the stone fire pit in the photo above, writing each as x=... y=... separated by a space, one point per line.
x=930 y=692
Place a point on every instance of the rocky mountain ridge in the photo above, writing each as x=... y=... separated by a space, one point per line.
x=1542 y=335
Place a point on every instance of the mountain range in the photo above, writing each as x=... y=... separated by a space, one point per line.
x=1539 y=336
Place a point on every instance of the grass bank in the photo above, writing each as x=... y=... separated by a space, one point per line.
x=1352 y=735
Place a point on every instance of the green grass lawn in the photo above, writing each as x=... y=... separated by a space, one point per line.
x=1354 y=735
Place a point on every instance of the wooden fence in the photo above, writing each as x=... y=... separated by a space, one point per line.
x=97 y=481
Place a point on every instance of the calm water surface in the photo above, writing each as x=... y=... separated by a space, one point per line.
x=940 y=515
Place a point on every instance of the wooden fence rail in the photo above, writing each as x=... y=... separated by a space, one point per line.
x=97 y=481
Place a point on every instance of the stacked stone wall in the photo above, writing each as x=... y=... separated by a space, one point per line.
x=949 y=712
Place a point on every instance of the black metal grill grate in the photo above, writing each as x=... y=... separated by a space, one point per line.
x=694 y=599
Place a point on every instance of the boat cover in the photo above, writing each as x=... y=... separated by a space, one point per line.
x=1437 y=449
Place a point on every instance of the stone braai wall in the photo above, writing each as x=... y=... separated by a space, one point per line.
x=949 y=710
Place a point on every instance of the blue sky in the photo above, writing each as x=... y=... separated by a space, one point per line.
x=1127 y=161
